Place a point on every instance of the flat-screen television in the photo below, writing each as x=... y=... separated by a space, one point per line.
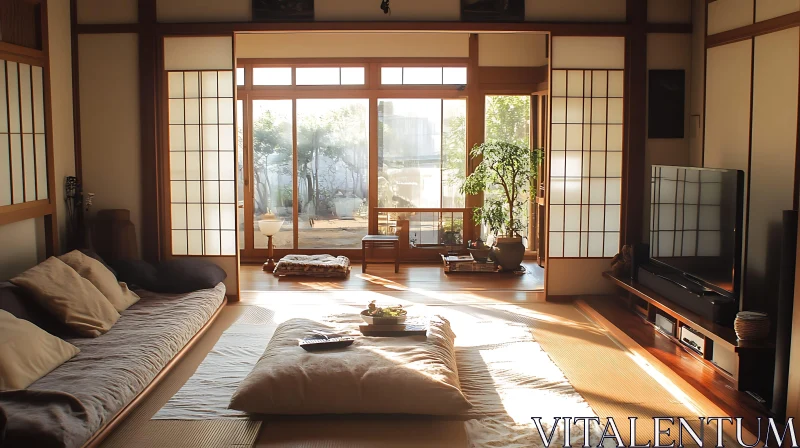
x=696 y=224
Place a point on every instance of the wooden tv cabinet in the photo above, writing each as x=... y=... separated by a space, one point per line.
x=749 y=373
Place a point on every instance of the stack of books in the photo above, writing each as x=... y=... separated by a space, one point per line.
x=465 y=263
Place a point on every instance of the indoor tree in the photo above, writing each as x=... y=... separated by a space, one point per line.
x=509 y=168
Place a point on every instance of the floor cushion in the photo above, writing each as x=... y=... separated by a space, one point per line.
x=400 y=375
x=102 y=278
x=313 y=266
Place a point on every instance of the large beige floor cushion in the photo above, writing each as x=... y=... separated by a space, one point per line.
x=391 y=375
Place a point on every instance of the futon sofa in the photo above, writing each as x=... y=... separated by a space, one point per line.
x=79 y=402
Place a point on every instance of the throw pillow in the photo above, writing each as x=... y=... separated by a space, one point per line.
x=28 y=353
x=16 y=301
x=74 y=300
x=137 y=273
x=182 y=275
x=116 y=292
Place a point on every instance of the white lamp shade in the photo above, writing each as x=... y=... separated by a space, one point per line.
x=269 y=227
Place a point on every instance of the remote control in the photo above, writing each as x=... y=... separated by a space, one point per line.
x=311 y=345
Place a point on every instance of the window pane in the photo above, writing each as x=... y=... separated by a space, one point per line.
x=454 y=151
x=272 y=76
x=317 y=76
x=240 y=76
x=508 y=119
x=352 y=75
x=272 y=169
x=333 y=172
x=225 y=186
x=391 y=75
x=454 y=75
x=422 y=75
x=409 y=153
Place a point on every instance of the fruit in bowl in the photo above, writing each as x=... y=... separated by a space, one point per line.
x=390 y=315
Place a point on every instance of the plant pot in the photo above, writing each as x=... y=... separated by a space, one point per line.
x=508 y=253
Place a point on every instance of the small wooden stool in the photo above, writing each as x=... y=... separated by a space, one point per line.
x=380 y=242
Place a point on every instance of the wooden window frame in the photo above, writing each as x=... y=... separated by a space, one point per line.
x=372 y=90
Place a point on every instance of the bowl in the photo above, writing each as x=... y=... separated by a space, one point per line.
x=382 y=320
x=480 y=255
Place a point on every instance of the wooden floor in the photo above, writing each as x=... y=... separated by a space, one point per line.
x=705 y=379
x=411 y=279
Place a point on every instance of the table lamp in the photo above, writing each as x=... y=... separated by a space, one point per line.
x=269 y=227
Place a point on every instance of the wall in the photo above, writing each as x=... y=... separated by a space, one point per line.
x=110 y=131
x=23 y=242
x=759 y=75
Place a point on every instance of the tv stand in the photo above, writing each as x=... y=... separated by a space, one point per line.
x=683 y=291
x=750 y=356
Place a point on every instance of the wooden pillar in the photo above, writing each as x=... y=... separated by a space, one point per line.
x=148 y=53
x=475 y=132
x=633 y=176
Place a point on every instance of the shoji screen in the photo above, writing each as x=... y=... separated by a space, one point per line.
x=200 y=151
x=585 y=162
x=202 y=162
x=23 y=155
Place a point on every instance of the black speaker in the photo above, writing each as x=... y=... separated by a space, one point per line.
x=641 y=255
x=783 y=337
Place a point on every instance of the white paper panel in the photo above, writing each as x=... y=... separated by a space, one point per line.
x=191 y=81
x=193 y=191
x=575 y=83
x=210 y=138
x=557 y=191
x=177 y=166
x=611 y=244
x=26 y=98
x=176 y=111
x=556 y=218
x=5 y=172
x=599 y=108
x=225 y=106
x=227 y=192
x=178 y=191
x=211 y=216
x=583 y=52
x=195 y=242
x=228 y=242
x=571 y=244
x=572 y=218
x=574 y=137
x=228 y=217
x=175 y=84
x=226 y=138
x=18 y=187
x=615 y=110
x=212 y=242
x=179 y=242
x=613 y=218
x=559 y=112
x=178 y=212
x=41 y=166
x=556 y=244
x=192 y=165
x=572 y=191
x=209 y=111
x=598 y=138
x=225 y=87
x=176 y=138
x=210 y=165
x=38 y=99
x=194 y=216
x=595 y=248
x=208 y=82
x=192 y=136
x=227 y=168
x=559 y=83
x=574 y=110
x=13 y=96
x=728 y=15
x=599 y=83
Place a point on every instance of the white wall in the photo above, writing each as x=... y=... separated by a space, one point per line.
x=575 y=10
x=512 y=50
x=774 y=146
x=63 y=143
x=110 y=130
x=21 y=245
x=724 y=15
x=106 y=11
x=768 y=9
x=669 y=11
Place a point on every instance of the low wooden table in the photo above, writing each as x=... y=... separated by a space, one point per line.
x=380 y=242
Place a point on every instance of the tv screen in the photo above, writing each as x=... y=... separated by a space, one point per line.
x=696 y=223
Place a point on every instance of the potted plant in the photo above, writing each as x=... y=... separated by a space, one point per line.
x=507 y=171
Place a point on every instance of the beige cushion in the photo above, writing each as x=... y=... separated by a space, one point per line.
x=28 y=353
x=74 y=300
x=403 y=375
x=87 y=267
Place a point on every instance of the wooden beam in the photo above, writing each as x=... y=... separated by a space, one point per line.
x=475 y=130
x=51 y=218
x=756 y=29
x=635 y=137
x=27 y=55
x=148 y=62
x=25 y=210
x=107 y=28
x=512 y=75
x=563 y=29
